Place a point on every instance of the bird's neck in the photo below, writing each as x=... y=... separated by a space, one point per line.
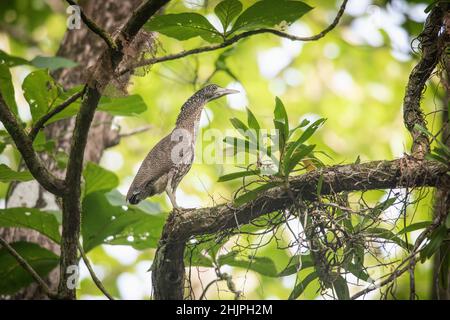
x=190 y=114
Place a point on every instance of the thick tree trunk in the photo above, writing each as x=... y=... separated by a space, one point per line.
x=441 y=291
x=84 y=47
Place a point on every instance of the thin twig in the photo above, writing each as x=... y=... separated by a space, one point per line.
x=95 y=28
x=94 y=277
x=24 y=264
x=40 y=123
x=230 y=41
x=135 y=131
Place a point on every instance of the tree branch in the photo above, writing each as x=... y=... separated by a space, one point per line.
x=101 y=76
x=94 y=277
x=431 y=40
x=24 y=264
x=168 y=264
x=25 y=147
x=95 y=28
x=40 y=123
x=230 y=41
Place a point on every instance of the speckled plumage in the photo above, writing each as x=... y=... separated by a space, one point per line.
x=171 y=158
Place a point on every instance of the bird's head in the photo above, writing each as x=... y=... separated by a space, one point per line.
x=213 y=91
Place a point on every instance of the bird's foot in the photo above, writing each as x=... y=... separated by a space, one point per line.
x=180 y=210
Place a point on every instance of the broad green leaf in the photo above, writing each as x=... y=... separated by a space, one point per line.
x=13 y=277
x=52 y=63
x=7 y=88
x=236 y=175
x=123 y=106
x=268 y=14
x=226 y=11
x=297 y=263
x=358 y=271
x=262 y=265
x=415 y=226
x=341 y=288
x=184 y=26
x=8 y=175
x=115 y=198
x=253 y=194
x=104 y=223
x=301 y=286
x=97 y=178
x=31 y=218
x=120 y=106
x=41 y=92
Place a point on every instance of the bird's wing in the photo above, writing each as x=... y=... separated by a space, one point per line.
x=156 y=163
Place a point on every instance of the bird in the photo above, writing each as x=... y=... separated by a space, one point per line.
x=171 y=158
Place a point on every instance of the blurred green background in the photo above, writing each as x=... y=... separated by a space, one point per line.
x=355 y=77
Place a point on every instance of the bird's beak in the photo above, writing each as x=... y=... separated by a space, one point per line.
x=224 y=91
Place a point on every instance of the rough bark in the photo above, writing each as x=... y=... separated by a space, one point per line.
x=83 y=47
x=168 y=267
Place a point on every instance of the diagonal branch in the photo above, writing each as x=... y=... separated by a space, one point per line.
x=230 y=41
x=25 y=147
x=24 y=264
x=95 y=28
x=168 y=267
x=40 y=123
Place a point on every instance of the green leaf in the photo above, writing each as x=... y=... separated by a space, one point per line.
x=123 y=106
x=236 y=175
x=310 y=131
x=436 y=239
x=131 y=105
x=253 y=194
x=31 y=218
x=11 y=61
x=341 y=288
x=105 y=223
x=238 y=124
x=297 y=263
x=226 y=11
x=184 y=26
x=267 y=14
x=7 y=174
x=40 y=91
x=7 y=88
x=300 y=153
x=302 y=124
x=281 y=122
x=301 y=286
x=52 y=63
x=262 y=265
x=97 y=178
x=357 y=269
x=252 y=121
x=13 y=277
x=388 y=235
x=414 y=227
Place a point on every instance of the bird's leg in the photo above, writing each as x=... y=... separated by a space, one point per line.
x=172 y=197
